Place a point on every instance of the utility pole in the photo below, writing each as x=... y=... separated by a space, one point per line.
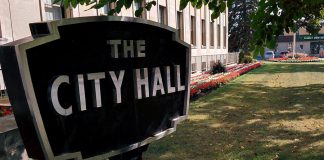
x=294 y=46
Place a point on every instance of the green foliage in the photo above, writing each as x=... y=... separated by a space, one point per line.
x=138 y=12
x=241 y=56
x=271 y=18
x=183 y=4
x=247 y=59
x=240 y=31
x=101 y=3
x=218 y=68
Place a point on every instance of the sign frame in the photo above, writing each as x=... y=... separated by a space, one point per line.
x=28 y=98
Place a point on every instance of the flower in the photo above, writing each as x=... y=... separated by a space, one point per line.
x=299 y=59
x=5 y=110
x=205 y=82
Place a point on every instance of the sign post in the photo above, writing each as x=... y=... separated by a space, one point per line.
x=96 y=87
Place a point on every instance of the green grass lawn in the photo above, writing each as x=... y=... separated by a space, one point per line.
x=274 y=112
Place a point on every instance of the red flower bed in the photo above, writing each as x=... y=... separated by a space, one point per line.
x=300 y=59
x=278 y=59
x=5 y=110
x=208 y=82
x=307 y=58
x=297 y=55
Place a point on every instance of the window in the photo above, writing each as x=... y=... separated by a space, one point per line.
x=301 y=46
x=108 y=8
x=203 y=66
x=218 y=35
x=224 y=36
x=105 y=9
x=211 y=27
x=211 y=64
x=139 y=5
x=163 y=15
x=224 y=30
x=180 y=25
x=0 y=31
x=193 y=67
x=289 y=48
x=48 y=2
x=68 y=12
x=203 y=32
x=193 y=30
x=53 y=11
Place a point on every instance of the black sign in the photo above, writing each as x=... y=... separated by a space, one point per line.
x=96 y=87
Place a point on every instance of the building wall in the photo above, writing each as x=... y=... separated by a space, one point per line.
x=284 y=46
x=303 y=31
x=82 y=11
x=21 y=13
x=15 y=16
x=284 y=43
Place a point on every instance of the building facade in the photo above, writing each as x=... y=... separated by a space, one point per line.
x=305 y=43
x=209 y=39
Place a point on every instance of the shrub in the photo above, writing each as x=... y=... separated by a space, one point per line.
x=247 y=59
x=218 y=68
x=248 y=54
x=241 y=56
x=243 y=59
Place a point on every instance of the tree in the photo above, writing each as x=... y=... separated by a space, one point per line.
x=97 y=4
x=240 y=31
x=270 y=20
x=273 y=17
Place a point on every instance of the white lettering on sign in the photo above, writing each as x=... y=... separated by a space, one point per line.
x=141 y=81
x=169 y=88
x=128 y=48
x=117 y=82
x=159 y=83
x=114 y=47
x=144 y=86
x=96 y=91
x=140 y=48
x=54 y=95
x=178 y=81
x=81 y=99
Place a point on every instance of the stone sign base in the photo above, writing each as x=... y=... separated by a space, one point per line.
x=11 y=144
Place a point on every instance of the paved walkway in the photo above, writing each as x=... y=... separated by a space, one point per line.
x=7 y=123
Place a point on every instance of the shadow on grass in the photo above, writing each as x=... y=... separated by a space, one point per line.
x=243 y=121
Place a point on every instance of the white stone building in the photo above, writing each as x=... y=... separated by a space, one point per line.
x=209 y=39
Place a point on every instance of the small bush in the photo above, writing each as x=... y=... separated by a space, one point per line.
x=248 y=54
x=218 y=68
x=247 y=59
x=241 y=57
